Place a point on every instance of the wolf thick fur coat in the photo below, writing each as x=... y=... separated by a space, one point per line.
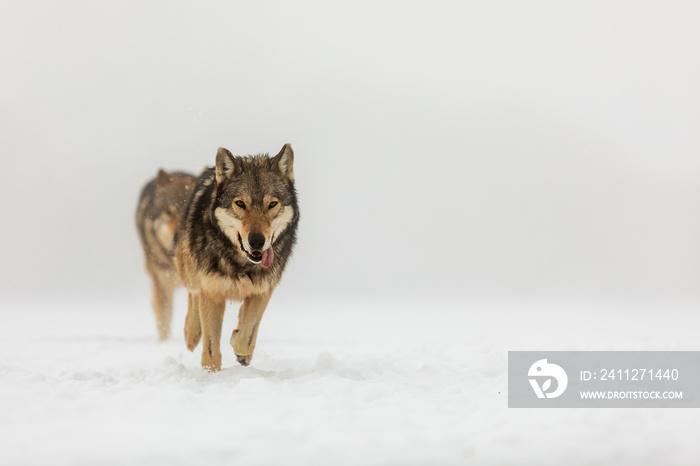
x=234 y=241
x=160 y=207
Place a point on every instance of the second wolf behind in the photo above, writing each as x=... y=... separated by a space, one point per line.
x=160 y=208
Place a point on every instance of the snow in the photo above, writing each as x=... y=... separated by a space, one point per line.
x=84 y=382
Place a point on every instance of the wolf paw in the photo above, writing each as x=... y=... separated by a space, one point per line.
x=244 y=360
x=211 y=366
x=163 y=334
x=192 y=339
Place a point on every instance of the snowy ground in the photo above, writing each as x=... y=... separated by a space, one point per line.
x=85 y=383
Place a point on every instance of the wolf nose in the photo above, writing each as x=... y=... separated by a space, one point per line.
x=256 y=241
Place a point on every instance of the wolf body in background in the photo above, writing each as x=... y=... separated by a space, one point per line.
x=234 y=242
x=158 y=215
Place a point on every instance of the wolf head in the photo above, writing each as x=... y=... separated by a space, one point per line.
x=255 y=201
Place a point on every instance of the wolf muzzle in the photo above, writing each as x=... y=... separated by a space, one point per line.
x=256 y=241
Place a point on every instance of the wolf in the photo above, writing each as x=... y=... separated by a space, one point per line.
x=160 y=207
x=236 y=236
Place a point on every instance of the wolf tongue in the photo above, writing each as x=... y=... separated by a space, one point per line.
x=267 y=256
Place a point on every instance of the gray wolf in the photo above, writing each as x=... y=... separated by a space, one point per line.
x=236 y=236
x=158 y=215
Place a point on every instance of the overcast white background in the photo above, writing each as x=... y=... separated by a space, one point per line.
x=491 y=148
x=474 y=178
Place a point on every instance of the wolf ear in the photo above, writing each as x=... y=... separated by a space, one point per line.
x=162 y=178
x=226 y=165
x=284 y=162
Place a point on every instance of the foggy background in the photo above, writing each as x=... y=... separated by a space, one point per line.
x=441 y=149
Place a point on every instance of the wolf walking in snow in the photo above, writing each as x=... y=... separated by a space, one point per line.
x=235 y=239
x=158 y=215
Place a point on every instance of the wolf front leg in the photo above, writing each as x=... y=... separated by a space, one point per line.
x=249 y=316
x=193 y=325
x=211 y=315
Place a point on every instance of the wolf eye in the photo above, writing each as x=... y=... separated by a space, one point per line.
x=241 y=204
x=272 y=205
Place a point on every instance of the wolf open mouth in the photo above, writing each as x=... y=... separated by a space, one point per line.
x=264 y=258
